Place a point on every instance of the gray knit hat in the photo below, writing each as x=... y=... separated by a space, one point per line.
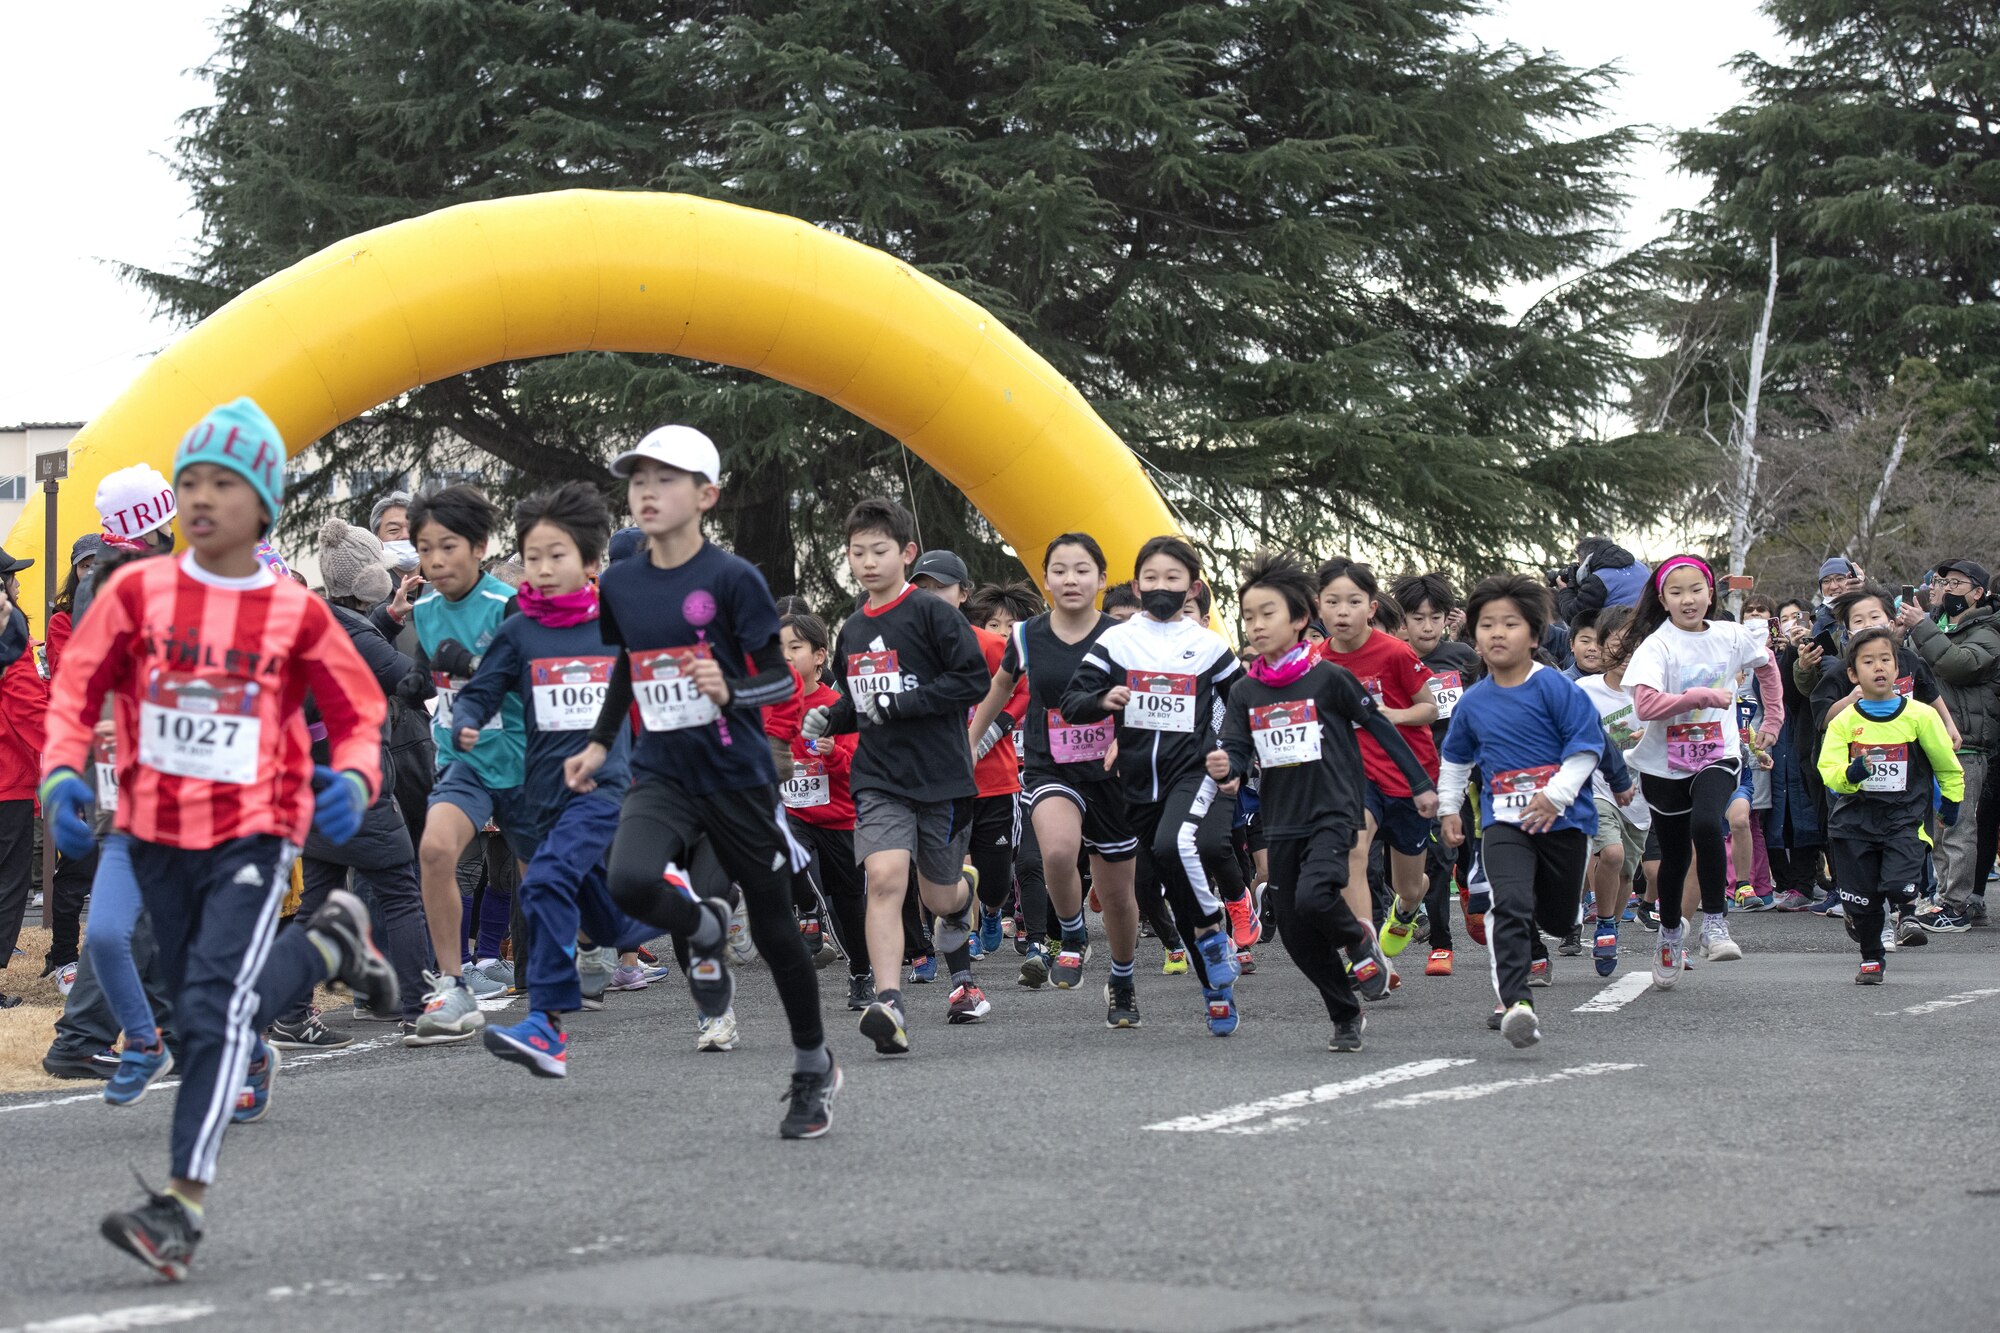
x=393 y=500
x=351 y=563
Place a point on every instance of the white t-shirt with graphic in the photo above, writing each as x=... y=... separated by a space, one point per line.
x=1622 y=725
x=1673 y=661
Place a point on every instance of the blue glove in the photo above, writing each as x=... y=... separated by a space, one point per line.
x=1947 y=813
x=64 y=796
x=342 y=800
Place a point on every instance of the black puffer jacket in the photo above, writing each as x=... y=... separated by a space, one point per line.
x=384 y=839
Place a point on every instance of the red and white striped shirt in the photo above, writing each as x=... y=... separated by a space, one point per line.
x=208 y=678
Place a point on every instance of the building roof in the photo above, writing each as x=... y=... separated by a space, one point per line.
x=42 y=425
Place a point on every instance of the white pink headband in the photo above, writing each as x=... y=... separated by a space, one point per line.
x=1673 y=563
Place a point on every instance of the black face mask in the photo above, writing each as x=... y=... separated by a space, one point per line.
x=1162 y=603
x=1954 y=605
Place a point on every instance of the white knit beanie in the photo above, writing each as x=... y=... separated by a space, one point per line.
x=351 y=563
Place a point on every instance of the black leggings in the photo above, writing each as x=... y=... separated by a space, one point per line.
x=1215 y=839
x=837 y=888
x=1691 y=817
x=996 y=828
x=1167 y=831
x=661 y=822
x=1314 y=920
x=1033 y=883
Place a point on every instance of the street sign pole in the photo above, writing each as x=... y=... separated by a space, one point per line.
x=49 y=470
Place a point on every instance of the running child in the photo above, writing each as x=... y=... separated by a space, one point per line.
x=820 y=804
x=913 y=671
x=1161 y=676
x=1428 y=603
x=696 y=634
x=1074 y=802
x=456 y=621
x=1391 y=671
x=1878 y=759
x=552 y=657
x=1682 y=674
x=208 y=658
x=1296 y=717
x=1536 y=740
x=1622 y=817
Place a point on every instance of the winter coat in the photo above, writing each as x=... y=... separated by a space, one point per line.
x=1966 y=661
x=1607 y=575
x=24 y=699
x=384 y=839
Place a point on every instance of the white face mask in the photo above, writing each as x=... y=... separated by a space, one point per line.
x=1758 y=628
x=402 y=556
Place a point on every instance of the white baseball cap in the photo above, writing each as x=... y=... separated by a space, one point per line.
x=683 y=447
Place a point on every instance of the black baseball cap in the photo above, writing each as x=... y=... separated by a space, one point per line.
x=1972 y=569
x=941 y=567
x=8 y=564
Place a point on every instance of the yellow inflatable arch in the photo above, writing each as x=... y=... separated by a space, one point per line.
x=585 y=270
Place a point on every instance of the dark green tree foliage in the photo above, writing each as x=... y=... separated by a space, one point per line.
x=1873 y=155
x=1264 y=238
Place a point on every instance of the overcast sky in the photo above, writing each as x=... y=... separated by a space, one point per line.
x=82 y=152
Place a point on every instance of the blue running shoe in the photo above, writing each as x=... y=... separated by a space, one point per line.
x=989 y=934
x=1219 y=952
x=254 y=1101
x=1631 y=907
x=137 y=1071
x=923 y=970
x=975 y=947
x=1221 y=1010
x=534 y=1043
x=1604 y=948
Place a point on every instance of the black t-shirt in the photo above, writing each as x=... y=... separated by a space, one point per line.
x=716 y=602
x=1050 y=664
x=924 y=653
x=1302 y=736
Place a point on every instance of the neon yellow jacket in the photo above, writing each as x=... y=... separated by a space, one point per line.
x=1905 y=752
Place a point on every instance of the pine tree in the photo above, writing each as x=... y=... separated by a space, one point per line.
x=1264 y=238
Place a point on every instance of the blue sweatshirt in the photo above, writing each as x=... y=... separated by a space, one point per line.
x=561 y=676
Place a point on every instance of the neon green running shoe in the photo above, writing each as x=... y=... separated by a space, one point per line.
x=1397 y=931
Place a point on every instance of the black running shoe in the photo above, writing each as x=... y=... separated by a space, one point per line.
x=1347 y=1035
x=1649 y=915
x=159 y=1234
x=710 y=981
x=1572 y=945
x=809 y=1112
x=344 y=922
x=860 y=992
x=308 y=1034
x=1121 y=1005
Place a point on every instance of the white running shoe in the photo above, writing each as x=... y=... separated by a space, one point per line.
x=1889 y=938
x=451 y=1013
x=1670 y=958
x=741 y=948
x=717 y=1034
x=1716 y=946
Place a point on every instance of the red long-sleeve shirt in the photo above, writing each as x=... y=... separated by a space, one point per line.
x=24 y=703
x=999 y=772
x=208 y=679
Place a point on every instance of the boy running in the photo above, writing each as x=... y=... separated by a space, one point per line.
x=1427 y=602
x=697 y=638
x=208 y=658
x=912 y=671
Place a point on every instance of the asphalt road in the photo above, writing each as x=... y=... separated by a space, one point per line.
x=1770 y=1147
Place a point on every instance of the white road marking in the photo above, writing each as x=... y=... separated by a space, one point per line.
x=1610 y=999
x=1473 y=1091
x=109 y=1321
x=498 y=1002
x=1277 y=1124
x=292 y=1062
x=1951 y=1001
x=1292 y=1101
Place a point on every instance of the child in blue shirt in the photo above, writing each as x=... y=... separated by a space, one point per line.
x=1535 y=738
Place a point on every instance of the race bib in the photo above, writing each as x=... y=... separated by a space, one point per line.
x=873 y=673
x=568 y=695
x=807 y=786
x=448 y=687
x=1888 y=766
x=106 y=772
x=1161 y=701
x=1622 y=729
x=1515 y=790
x=663 y=685
x=1693 y=746
x=1448 y=688
x=1906 y=686
x=1072 y=744
x=1286 y=734
x=1372 y=687
x=200 y=727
